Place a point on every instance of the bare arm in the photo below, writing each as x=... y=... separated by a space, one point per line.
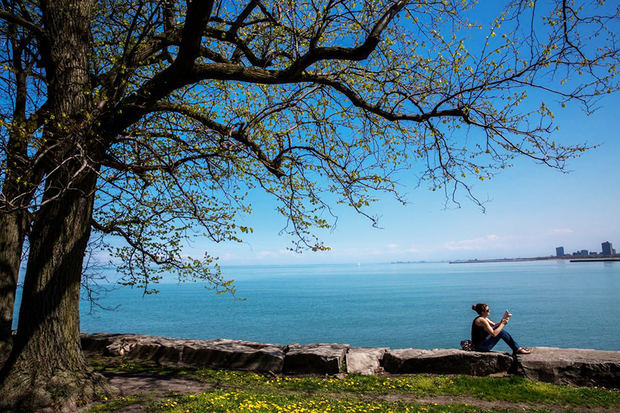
x=488 y=326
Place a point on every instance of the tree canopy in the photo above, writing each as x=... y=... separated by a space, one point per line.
x=149 y=121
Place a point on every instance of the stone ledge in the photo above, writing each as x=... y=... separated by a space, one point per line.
x=580 y=367
x=216 y=354
x=446 y=361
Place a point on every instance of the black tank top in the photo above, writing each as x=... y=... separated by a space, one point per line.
x=478 y=333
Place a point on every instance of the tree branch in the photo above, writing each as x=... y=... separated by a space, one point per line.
x=115 y=229
x=347 y=53
x=27 y=24
x=237 y=134
x=196 y=19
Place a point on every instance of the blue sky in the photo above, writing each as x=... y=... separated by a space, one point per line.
x=531 y=209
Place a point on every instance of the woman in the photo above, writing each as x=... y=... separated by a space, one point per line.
x=485 y=333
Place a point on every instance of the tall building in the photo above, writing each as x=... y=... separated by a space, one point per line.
x=559 y=252
x=607 y=249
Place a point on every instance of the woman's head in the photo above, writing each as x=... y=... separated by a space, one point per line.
x=480 y=308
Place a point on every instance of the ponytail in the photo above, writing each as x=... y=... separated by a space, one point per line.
x=479 y=308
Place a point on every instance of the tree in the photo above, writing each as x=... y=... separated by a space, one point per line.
x=148 y=121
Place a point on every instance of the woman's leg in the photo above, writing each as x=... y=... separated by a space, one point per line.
x=489 y=342
x=504 y=335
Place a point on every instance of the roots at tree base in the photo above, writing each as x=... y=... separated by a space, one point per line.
x=62 y=390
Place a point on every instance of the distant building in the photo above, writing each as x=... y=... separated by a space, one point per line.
x=559 y=252
x=583 y=253
x=607 y=249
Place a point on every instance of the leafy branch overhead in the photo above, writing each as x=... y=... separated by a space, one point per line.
x=185 y=107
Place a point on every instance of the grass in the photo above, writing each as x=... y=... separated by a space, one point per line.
x=118 y=405
x=243 y=401
x=250 y=392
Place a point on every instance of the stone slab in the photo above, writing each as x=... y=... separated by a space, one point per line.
x=97 y=342
x=315 y=358
x=446 y=361
x=216 y=354
x=581 y=367
x=235 y=355
x=365 y=360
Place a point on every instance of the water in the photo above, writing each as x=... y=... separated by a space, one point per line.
x=554 y=303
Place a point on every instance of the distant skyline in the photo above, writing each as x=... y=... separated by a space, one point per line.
x=531 y=210
x=600 y=250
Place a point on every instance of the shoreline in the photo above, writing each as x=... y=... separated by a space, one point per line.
x=602 y=259
x=551 y=258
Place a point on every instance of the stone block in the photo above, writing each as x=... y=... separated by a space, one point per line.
x=446 y=361
x=97 y=343
x=234 y=354
x=364 y=360
x=315 y=358
x=581 y=367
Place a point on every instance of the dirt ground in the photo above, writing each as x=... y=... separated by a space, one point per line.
x=152 y=387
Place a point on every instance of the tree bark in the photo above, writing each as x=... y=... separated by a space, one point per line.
x=16 y=193
x=11 y=244
x=46 y=367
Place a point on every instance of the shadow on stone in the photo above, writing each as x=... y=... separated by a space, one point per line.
x=446 y=361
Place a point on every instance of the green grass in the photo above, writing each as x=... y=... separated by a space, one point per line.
x=251 y=392
x=138 y=367
x=244 y=401
x=118 y=405
x=519 y=389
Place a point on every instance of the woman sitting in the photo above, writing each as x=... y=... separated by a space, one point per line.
x=485 y=333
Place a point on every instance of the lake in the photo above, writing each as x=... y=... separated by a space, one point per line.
x=426 y=305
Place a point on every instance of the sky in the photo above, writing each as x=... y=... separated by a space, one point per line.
x=531 y=209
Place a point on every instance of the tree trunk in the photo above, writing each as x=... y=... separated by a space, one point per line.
x=17 y=192
x=11 y=244
x=46 y=367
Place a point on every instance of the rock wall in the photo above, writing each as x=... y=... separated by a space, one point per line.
x=215 y=354
x=561 y=366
